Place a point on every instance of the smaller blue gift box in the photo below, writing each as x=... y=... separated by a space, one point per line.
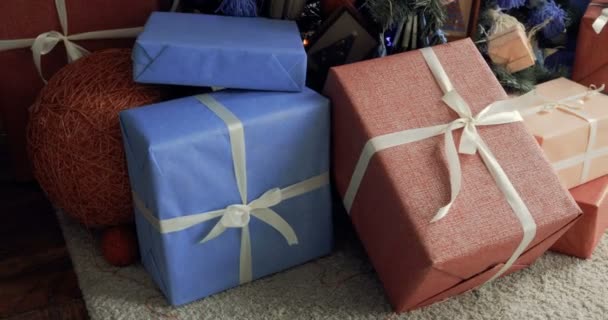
x=228 y=187
x=220 y=51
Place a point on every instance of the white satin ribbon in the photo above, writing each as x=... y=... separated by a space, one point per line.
x=45 y=42
x=238 y=215
x=572 y=105
x=499 y=112
x=174 y=6
x=601 y=21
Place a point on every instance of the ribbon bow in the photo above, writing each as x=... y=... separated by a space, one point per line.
x=238 y=215
x=601 y=21
x=499 y=112
x=470 y=142
x=46 y=42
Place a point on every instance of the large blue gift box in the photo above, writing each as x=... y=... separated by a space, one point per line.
x=220 y=51
x=228 y=187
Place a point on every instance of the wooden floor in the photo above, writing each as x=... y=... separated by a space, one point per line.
x=37 y=280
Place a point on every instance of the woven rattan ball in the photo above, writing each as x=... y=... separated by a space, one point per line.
x=74 y=137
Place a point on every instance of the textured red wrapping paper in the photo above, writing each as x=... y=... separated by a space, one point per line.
x=417 y=261
x=19 y=79
x=583 y=237
x=591 y=59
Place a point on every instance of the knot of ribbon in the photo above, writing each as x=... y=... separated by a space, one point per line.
x=238 y=215
x=570 y=104
x=550 y=107
x=600 y=22
x=497 y=113
x=470 y=141
x=46 y=42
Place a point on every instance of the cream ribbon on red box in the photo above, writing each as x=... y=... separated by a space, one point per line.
x=573 y=105
x=46 y=42
x=601 y=21
x=497 y=113
x=238 y=215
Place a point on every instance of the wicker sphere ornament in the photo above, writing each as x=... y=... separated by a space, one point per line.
x=74 y=137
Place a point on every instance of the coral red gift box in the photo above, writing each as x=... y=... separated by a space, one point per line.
x=583 y=237
x=420 y=262
x=591 y=59
x=20 y=81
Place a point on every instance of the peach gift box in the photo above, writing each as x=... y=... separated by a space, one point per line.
x=420 y=262
x=583 y=237
x=564 y=129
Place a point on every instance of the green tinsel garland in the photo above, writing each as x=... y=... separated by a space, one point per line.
x=525 y=80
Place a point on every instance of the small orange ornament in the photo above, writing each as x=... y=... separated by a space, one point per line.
x=119 y=245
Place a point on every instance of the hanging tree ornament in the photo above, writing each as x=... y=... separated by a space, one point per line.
x=543 y=12
x=508 y=45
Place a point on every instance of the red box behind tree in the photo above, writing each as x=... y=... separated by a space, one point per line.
x=591 y=60
x=20 y=81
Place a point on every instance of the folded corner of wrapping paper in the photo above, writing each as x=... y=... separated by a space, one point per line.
x=292 y=68
x=142 y=57
x=298 y=73
x=525 y=260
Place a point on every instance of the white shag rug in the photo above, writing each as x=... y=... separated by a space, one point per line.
x=343 y=286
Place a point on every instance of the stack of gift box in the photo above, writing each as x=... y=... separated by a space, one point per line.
x=570 y=123
x=569 y=119
x=445 y=186
x=233 y=185
x=448 y=183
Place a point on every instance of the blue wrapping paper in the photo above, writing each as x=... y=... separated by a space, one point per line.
x=219 y=51
x=180 y=163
